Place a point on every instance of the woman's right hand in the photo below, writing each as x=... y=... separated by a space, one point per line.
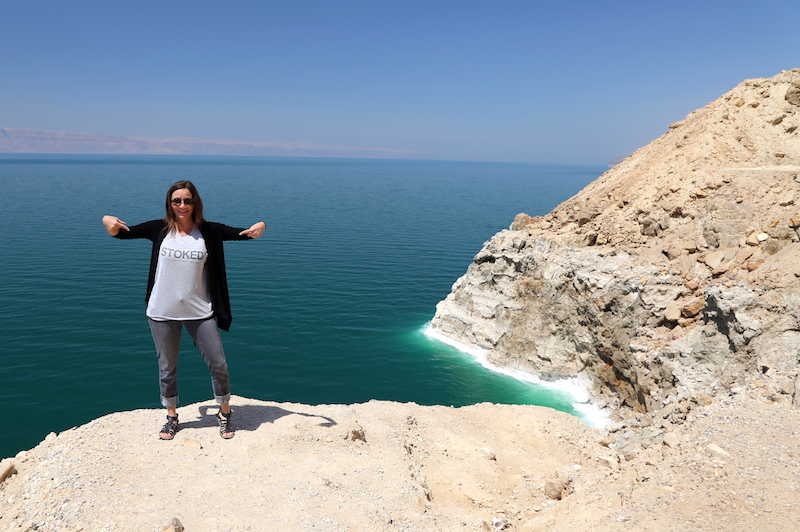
x=114 y=224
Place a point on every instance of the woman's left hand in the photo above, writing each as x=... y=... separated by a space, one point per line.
x=256 y=230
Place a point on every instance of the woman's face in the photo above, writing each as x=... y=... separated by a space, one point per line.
x=181 y=209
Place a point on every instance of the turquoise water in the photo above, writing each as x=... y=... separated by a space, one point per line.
x=329 y=305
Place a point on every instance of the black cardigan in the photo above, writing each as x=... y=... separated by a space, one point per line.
x=214 y=234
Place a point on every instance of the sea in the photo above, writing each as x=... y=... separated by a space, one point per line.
x=330 y=306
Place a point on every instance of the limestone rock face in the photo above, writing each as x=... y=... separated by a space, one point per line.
x=673 y=274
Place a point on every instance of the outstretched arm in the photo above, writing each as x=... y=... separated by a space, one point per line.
x=255 y=230
x=114 y=224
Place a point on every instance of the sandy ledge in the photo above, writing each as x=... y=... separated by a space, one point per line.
x=729 y=465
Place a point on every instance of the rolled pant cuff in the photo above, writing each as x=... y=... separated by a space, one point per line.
x=223 y=398
x=169 y=401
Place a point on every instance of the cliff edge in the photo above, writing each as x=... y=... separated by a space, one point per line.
x=380 y=466
x=673 y=275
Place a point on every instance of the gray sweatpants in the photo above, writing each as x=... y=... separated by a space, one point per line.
x=205 y=333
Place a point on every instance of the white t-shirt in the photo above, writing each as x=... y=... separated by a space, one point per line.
x=180 y=291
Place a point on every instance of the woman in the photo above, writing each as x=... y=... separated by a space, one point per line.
x=187 y=287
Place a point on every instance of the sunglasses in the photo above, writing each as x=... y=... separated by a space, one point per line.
x=187 y=201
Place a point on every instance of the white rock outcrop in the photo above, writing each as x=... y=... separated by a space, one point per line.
x=673 y=274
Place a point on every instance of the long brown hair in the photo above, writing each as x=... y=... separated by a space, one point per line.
x=197 y=212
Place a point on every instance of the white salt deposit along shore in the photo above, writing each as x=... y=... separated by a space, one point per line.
x=575 y=388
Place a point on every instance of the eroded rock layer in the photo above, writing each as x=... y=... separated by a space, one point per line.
x=671 y=275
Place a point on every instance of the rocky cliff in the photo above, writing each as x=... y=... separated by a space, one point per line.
x=673 y=275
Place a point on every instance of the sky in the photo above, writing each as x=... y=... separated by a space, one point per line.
x=539 y=81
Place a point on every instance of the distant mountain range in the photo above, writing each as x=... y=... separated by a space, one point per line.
x=37 y=141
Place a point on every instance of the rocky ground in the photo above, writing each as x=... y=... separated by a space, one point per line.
x=725 y=464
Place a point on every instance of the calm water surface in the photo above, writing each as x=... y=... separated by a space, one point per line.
x=329 y=305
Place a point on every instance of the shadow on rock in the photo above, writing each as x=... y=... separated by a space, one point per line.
x=250 y=417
